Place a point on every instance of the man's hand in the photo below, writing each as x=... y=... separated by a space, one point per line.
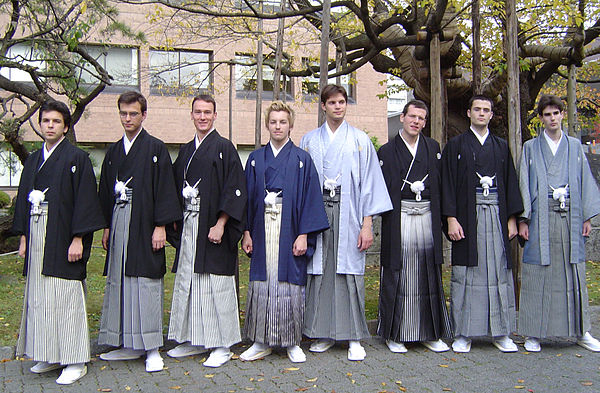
x=299 y=247
x=587 y=228
x=524 y=230
x=247 y=242
x=455 y=230
x=159 y=237
x=105 y=237
x=512 y=227
x=365 y=237
x=75 y=250
x=22 y=246
x=215 y=234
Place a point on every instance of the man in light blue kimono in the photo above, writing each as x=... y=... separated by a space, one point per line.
x=353 y=192
x=560 y=198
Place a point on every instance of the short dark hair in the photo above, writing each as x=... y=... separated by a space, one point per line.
x=205 y=98
x=130 y=97
x=481 y=97
x=58 y=106
x=549 y=100
x=416 y=104
x=331 y=90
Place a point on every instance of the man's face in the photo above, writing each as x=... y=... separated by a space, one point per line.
x=203 y=115
x=414 y=121
x=131 y=116
x=335 y=107
x=552 y=118
x=53 y=126
x=279 y=126
x=480 y=113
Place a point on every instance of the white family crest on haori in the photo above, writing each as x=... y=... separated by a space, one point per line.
x=36 y=197
x=121 y=189
x=331 y=184
x=560 y=194
x=417 y=187
x=486 y=182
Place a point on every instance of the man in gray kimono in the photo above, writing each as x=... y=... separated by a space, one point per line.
x=353 y=192
x=560 y=198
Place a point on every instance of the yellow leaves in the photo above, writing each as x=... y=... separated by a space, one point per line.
x=105 y=390
x=312 y=379
x=209 y=375
x=291 y=369
x=519 y=387
x=443 y=365
x=102 y=368
x=127 y=387
x=176 y=387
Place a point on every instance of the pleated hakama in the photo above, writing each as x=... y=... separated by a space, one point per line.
x=482 y=296
x=204 y=309
x=554 y=298
x=54 y=326
x=133 y=306
x=412 y=306
x=274 y=309
x=335 y=303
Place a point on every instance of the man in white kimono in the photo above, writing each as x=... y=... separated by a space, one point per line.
x=560 y=198
x=353 y=192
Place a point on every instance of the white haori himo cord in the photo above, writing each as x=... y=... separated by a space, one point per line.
x=331 y=184
x=486 y=182
x=36 y=197
x=121 y=188
x=270 y=202
x=417 y=187
x=560 y=194
x=190 y=192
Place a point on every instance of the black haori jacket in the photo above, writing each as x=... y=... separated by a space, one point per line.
x=394 y=172
x=459 y=184
x=222 y=188
x=73 y=207
x=153 y=203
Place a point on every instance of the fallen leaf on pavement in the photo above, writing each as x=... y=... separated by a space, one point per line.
x=443 y=365
x=209 y=375
x=177 y=387
x=586 y=383
x=105 y=390
x=312 y=379
x=446 y=390
x=520 y=380
x=291 y=369
x=519 y=387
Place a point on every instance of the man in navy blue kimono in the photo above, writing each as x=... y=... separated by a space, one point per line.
x=285 y=213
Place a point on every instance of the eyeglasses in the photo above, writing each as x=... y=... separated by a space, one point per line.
x=132 y=115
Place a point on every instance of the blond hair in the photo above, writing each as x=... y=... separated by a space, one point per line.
x=280 y=106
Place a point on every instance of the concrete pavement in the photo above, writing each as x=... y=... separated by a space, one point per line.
x=561 y=366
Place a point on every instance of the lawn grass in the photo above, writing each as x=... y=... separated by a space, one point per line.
x=12 y=283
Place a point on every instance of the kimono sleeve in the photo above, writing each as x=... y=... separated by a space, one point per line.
x=590 y=195
x=251 y=193
x=449 y=185
x=311 y=212
x=106 y=190
x=21 y=216
x=374 y=197
x=166 y=203
x=87 y=214
x=514 y=203
x=524 y=182
x=234 y=194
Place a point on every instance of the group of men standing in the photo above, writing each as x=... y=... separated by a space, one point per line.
x=305 y=216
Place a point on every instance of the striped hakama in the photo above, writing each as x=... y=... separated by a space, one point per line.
x=412 y=306
x=204 y=309
x=54 y=325
x=133 y=306
x=554 y=298
x=335 y=303
x=483 y=297
x=274 y=309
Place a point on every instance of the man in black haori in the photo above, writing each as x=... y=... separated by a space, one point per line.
x=412 y=307
x=56 y=213
x=138 y=198
x=480 y=203
x=212 y=192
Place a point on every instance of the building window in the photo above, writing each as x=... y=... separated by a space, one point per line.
x=120 y=63
x=23 y=54
x=245 y=79
x=179 y=72
x=310 y=85
x=10 y=168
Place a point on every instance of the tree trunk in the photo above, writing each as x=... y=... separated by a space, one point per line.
x=324 y=61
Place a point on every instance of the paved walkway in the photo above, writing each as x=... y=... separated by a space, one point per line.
x=562 y=366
